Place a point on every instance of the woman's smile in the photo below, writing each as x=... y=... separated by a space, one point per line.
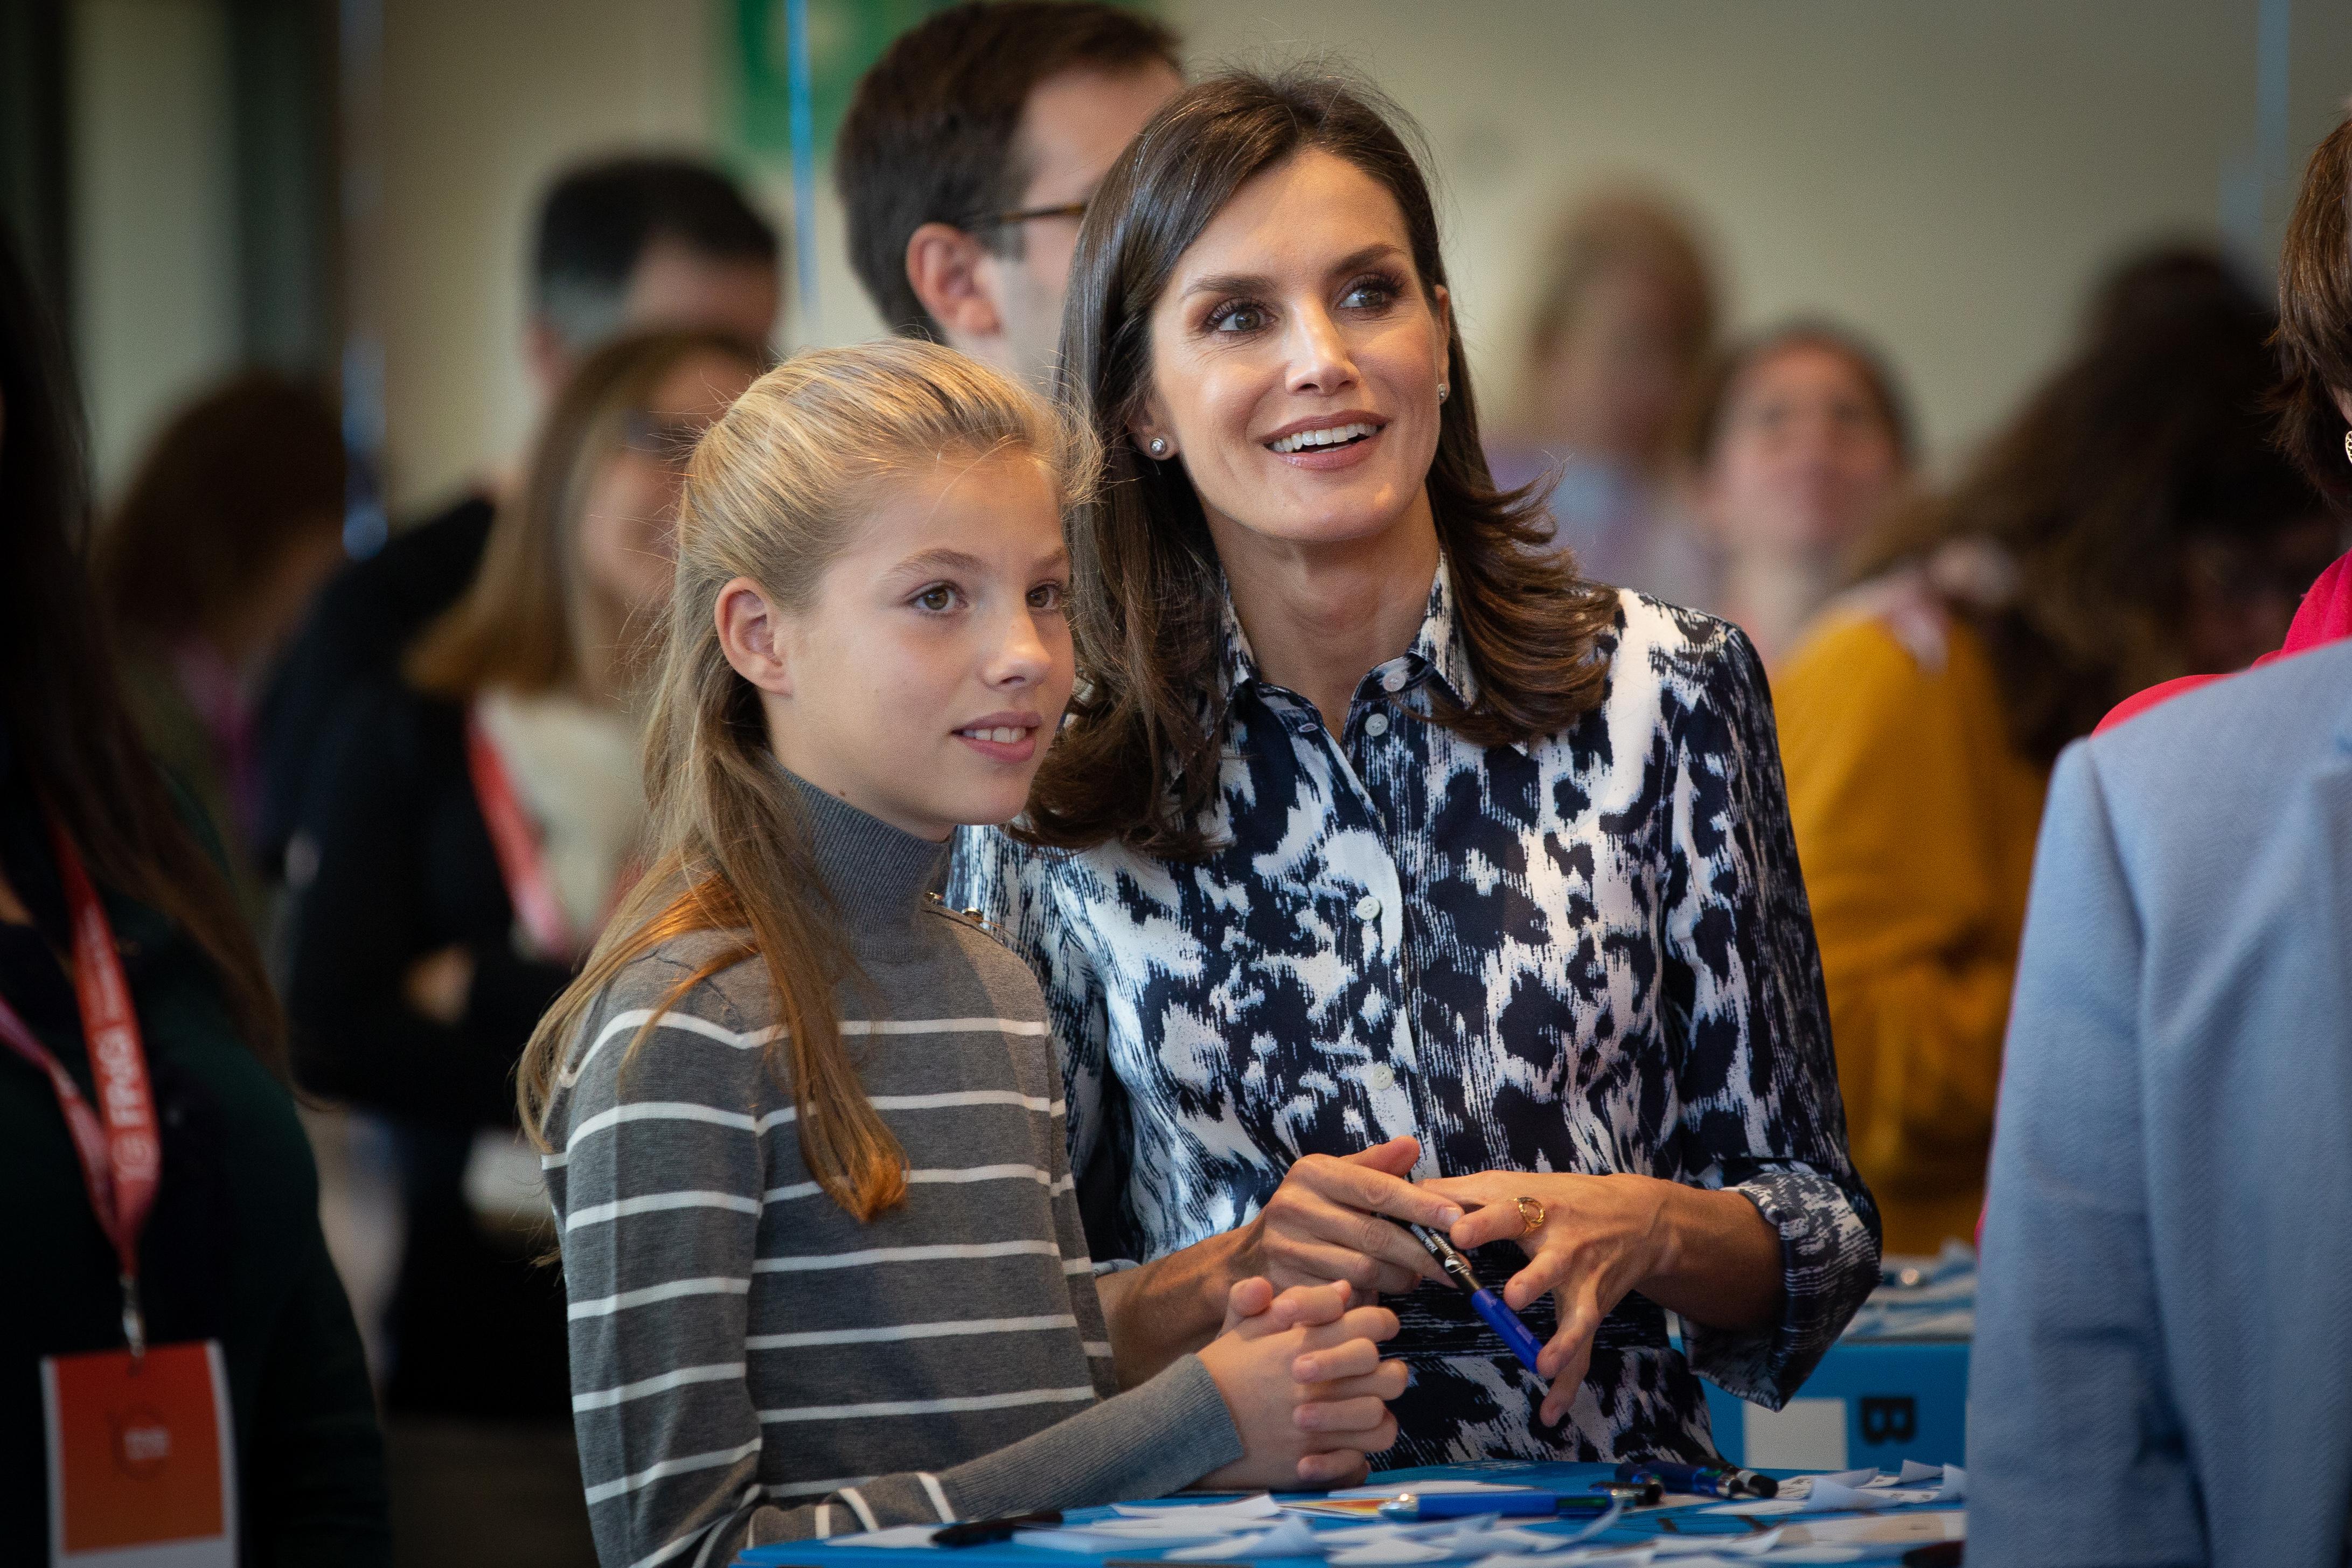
x=1328 y=441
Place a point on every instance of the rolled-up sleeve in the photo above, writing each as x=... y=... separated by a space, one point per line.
x=1756 y=1076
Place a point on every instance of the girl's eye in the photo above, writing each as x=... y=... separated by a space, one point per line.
x=938 y=599
x=1236 y=318
x=1047 y=596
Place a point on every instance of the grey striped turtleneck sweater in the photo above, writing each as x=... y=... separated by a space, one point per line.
x=750 y=1364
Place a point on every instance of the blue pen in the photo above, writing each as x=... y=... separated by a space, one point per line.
x=1483 y=1302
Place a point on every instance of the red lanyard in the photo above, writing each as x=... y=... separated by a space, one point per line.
x=522 y=862
x=120 y=1160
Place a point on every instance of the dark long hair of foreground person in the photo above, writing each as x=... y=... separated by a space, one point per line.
x=60 y=703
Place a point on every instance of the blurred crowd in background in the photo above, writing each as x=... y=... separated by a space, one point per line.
x=351 y=730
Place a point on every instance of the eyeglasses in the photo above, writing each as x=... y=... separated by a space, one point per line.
x=1024 y=215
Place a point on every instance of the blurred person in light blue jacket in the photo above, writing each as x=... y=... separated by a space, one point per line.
x=2159 y=1375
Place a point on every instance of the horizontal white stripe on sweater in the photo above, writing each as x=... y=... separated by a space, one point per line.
x=636 y=1018
x=603 y=1398
x=929 y=1406
x=806 y=1263
x=955 y=1329
x=1054 y=1186
x=689 y=1111
x=815 y=1489
x=654 y=1202
x=604 y=1491
x=1100 y=1350
x=668 y=1291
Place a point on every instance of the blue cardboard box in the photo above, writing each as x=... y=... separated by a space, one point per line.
x=1870 y=1402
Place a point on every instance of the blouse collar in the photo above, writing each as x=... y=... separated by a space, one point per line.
x=1437 y=655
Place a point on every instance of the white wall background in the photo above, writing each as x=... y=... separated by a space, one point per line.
x=153 y=214
x=1949 y=178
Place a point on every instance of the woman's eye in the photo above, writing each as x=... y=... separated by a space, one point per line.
x=1371 y=294
x=1046 y=596
x=937 y=599
x=1236 y=318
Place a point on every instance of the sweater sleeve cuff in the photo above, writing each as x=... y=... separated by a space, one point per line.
x=1151 y=1440
x=1829 y=1266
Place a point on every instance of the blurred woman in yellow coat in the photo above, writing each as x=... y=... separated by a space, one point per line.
x=2132 y=524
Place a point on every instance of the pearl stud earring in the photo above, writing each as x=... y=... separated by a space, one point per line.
x=1444 y=392
x=1160 y=446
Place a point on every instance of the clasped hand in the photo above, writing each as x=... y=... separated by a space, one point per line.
x=1302 y=1374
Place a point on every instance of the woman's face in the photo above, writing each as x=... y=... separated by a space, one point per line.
x=1804 y=460
x=1296 y=360
x=628 y=521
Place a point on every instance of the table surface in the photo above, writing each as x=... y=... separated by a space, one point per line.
x=1685 y=1526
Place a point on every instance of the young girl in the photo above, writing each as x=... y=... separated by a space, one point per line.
x=805 y=1127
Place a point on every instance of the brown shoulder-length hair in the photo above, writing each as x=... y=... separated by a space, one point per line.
x=2314 y=333
x=240 y=474
x=1138 y=760
x=518 y=626
x=2066 y=543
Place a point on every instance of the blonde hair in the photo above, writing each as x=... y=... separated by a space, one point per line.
x=518 y=626
x=772 y=493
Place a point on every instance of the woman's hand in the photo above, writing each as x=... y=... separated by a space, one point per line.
x=1302 y=1374
x=1707 y=1255
x=1332 y=1219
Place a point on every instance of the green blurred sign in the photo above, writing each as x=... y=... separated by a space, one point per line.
x=846 y=36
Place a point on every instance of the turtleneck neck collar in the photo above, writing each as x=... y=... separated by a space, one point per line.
x=877 y=875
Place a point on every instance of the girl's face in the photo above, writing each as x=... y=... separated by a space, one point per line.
x=1804 y=461
x=628 y=521
x=924 y=683
x=1296 y=360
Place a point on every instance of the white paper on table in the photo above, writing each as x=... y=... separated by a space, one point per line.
x=1080 y=1540
x=1956 y=1484
x=1817 y=1554
x=1262 y=1506
x=1799 y=1486
x=1290 y=1538
x=1371 y=1553
x=1829 y=1494
x=1760 y=1506
x=897 y=1535
x=1914 y=1472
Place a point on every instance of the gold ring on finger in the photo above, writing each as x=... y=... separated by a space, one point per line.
x=1532 y=1215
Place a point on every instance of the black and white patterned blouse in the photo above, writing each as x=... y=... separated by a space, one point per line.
x=1591 y=953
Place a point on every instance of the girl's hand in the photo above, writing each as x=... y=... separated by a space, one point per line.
x=1333 y=1218
x=1602 y=1237
x=1302 y=1376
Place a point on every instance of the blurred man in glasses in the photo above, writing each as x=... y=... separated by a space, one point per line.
x=967 y=157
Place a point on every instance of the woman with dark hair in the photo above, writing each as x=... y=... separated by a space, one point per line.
x=472 y=827
x=103 y=878
x=1376 y=825
x=2132 y=522
x=232 y=521
x=1800 y=441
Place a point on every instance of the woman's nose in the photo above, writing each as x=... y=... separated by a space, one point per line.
x=1319 y=361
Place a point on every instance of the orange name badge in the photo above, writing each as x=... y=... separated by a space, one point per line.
x=141 y=1459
